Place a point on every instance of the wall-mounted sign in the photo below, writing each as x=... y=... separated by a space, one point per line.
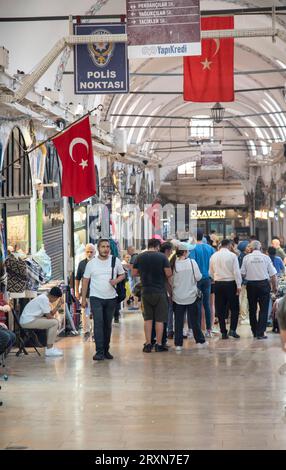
x=163 y=28
x=102 y=67
x=208 y=214
x=211 y=156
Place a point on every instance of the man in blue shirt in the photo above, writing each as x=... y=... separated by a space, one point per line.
x=202 y=254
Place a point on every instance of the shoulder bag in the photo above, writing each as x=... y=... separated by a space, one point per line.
x=199 y=292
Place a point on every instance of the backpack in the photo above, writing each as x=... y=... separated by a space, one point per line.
x=120 y=287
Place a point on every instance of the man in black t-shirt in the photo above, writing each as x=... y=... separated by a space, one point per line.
x=153 y=268
x=85 y=312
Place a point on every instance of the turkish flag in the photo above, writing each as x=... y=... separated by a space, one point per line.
x=74 y=147
x=209 y=77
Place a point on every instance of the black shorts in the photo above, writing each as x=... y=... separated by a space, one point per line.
x=155 y=307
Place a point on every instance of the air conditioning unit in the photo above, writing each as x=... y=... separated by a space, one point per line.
x=4 y=57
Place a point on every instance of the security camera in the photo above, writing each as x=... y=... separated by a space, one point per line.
x=122 y=154
x=145 y=162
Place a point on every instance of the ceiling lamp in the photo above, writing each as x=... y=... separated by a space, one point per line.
x=217 y=112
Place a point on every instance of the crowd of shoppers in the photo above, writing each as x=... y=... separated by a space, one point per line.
x=172 y=283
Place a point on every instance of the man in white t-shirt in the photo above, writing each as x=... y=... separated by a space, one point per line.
x=103 y=295
x=38 y=315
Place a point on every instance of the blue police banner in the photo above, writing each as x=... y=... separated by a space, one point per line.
x=101 y=67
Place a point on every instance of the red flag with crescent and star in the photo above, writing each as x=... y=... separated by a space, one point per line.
x=74 y=147
x=209 y=77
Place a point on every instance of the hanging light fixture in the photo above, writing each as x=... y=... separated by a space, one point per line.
x=217 y=112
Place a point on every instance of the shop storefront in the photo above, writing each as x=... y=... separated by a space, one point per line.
x=225 y=222
x=16 y=192
x=53 y=216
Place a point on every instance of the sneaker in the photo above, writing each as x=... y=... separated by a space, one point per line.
x=233 y=334
x=161 y=348
x=224 y=336
x=147 y=348
x=215 y=331
x=190 y=334
x=98 y=357
x=208 y=334
x=170 y=335
x=179 y=348
x=74 y=333
x=202 y=345
x=185 y=333
x=86 y=336
x=53 y=352
x=107 y=355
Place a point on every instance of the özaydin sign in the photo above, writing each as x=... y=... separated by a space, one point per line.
x=101 y=67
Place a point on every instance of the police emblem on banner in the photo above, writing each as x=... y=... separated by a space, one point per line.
x=101 y=67
x=101 y=52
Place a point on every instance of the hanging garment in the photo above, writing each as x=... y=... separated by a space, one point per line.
x=16 y=275
x=35 y=275
x=45 y=262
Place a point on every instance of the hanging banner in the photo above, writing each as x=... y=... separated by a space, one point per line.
x=102 y=67
x=211 y=156
x=163 y=28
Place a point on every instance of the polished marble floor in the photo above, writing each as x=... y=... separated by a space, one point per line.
x=229 y=396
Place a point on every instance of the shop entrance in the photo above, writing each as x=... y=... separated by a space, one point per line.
x=223 y=228
x=16 y=191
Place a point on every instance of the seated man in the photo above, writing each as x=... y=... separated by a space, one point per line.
x=38 y=315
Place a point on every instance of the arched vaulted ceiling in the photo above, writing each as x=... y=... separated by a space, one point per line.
x=251 y=54
x=249 y=109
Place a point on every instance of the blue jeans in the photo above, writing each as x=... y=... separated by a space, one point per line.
x=170 y=324
x=205 y=287
x=103 y=311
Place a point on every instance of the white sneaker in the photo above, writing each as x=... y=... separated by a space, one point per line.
x=179 y=348
x=185 y=333
x=190 y=334
x=53 y=352
x=202 y=345
x=208 y=334
x=215 y=331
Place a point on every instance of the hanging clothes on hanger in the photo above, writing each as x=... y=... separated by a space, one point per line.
x=16 y=276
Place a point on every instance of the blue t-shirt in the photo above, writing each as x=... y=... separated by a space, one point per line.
x=201 y=254
x=278 y=264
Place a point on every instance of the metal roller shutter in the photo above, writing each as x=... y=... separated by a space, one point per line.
x=53 y=241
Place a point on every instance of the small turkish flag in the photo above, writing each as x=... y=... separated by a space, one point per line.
x=209 y=77
x=74 y=147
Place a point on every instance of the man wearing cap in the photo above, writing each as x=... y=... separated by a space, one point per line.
x=224 y=269
x=258 y=270
x=38 y=315
x=202 y=254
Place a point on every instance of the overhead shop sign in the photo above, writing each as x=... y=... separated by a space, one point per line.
x=163 y=28
x=211 y=156
x=101 y=67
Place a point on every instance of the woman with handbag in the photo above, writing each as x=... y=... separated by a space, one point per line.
x=185 y=295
